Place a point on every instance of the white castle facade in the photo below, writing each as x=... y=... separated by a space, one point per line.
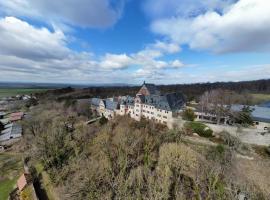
x=149 y=103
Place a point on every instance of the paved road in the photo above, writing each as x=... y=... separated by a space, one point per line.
x=246 y=135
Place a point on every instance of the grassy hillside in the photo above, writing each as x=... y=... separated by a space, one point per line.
x=20 y=91
x=10 y=168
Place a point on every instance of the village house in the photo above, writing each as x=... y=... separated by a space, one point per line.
x=11 y=133
x=16 y=116
x=149 y=103
x=2 y=115
x=260 y=115
x=25 y=188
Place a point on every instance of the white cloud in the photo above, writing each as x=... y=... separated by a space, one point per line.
x=43 y=55
x=253 y=72
x=244 y=26
x=177 y=64
x=38 y=54
x=84 y=13
x=148 y=74
x=19 y=38
x=164 y=47
x=184 y=8
x=150 y=57
x=115 y=61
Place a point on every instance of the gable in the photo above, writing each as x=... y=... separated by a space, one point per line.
x=148 y=89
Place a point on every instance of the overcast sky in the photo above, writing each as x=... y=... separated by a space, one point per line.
x=128 y=41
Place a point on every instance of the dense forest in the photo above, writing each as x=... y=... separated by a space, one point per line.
x=192 y=91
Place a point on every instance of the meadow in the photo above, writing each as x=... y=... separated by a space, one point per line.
x=19 y=91
x=10 y=168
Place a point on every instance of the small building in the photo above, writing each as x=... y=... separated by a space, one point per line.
x=25 y=188
x=4 y=121
x=16 y=116
x=23 y=181
x=26 y=97
x=11 y=131
x=2 y=115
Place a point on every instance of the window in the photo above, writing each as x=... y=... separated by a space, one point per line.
x=164 y=117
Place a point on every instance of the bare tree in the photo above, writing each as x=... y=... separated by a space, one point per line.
x=217 y=103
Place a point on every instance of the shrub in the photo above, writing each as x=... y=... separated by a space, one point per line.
x=199 y=128
x=216 y=153
x=267 y=150
x=2 y=127
x=230 y=140
x=188 y=115
x=178 y=157
x=103 y=120
x=243 y=117
x=220 y=149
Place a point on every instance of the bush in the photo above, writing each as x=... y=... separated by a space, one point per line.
x=103 y=120
x=243 y=117
x=188 y=115
x=267 y=150
x=199 y=128
x=230 y=140
x=216 y=153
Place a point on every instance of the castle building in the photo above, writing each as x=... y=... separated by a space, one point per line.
x=149 y=103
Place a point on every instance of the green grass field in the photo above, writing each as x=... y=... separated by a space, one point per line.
x=20 y=91
x=11 y=168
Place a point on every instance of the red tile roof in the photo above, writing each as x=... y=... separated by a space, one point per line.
x=17 y=114
x=15 y=118
x=23 y=181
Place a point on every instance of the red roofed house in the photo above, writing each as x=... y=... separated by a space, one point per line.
x=16 y=116
x=23 y=181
